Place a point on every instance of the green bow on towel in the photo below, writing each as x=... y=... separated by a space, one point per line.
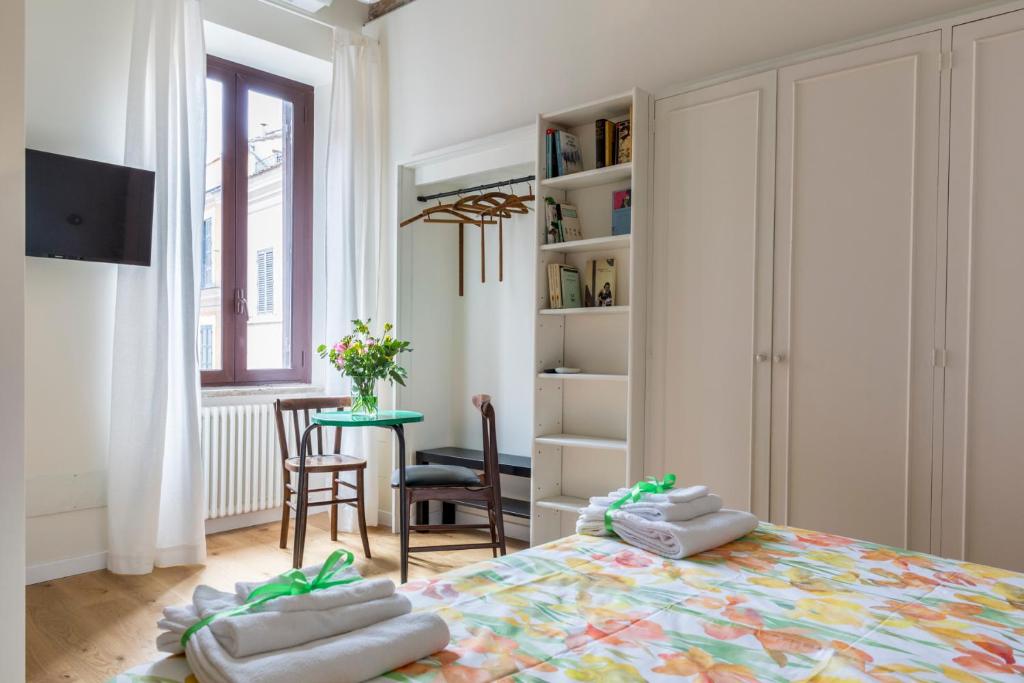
x=636 y=492
x=292 y=582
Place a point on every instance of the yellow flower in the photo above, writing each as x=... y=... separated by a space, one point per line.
x=835 y=559
x=987 y=601
x=769 y=582
x=830 y=610
x=1013 y=594
x=604 y=669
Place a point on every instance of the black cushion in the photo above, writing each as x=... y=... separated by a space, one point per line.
x=437 y=475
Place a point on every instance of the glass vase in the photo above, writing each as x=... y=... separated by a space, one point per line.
x=364 y=399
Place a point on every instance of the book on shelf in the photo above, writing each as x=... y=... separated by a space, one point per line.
x=570 y=280
x=562 y=153
x=569 y=218
x=599 y=282
x=562 y=222
x=621 y=212
x=624 y=139
x=564 y=286
x=604 y=143
x=549 y=152
x=554 y=286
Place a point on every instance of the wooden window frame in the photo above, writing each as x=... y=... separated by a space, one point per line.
x=237 y=80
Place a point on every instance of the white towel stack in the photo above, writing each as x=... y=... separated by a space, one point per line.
x=675 y=524
x=350 y=632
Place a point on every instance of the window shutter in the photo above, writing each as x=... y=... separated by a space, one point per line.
x=265 y=281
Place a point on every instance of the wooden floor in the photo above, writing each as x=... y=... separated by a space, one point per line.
x=89 y=627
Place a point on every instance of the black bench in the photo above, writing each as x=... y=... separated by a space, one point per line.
x=512 y=465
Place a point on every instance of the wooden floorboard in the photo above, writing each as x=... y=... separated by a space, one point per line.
x=87 y=628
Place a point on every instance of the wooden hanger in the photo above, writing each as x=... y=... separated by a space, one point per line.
x=479 y=210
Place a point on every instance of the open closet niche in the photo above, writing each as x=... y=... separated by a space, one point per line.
x=479 y=341
x=588 y=427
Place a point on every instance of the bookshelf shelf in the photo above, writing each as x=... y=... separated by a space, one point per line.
x=592 y=244
x=580 y=441
x=567 y=463
x=563 y=504
x=590 y=310
x=583 y=377
x=591 y=178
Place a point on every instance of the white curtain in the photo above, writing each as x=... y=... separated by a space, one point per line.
x=353 y=193
x=155 y=482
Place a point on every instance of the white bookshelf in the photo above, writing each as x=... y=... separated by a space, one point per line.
x=589 y=427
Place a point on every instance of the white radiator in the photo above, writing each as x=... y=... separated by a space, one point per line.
x=241 y=459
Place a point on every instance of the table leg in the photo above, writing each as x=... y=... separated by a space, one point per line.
x=301 y=509
x=403 y=506
x=447 y=513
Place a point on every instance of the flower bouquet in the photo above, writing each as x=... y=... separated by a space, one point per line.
x=365 y=359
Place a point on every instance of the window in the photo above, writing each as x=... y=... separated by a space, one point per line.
x=256 y=245
x=205 y=347
x=206 y=255
x=265 y=281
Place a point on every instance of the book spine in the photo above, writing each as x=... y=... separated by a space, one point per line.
x=559 y=160
x=599 y=143
x=609 y=142
x=560 y=222
x=548 y=151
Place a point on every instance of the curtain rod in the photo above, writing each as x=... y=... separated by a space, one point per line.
x=476 y=188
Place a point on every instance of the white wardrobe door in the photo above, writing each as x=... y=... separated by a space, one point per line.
x=855 y=292
x=708 y=400
x=983 y=473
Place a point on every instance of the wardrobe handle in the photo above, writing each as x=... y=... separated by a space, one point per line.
x=779 y=358
x=762 y=357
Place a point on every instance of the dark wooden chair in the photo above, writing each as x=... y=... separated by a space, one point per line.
x=455 y=483
x=333 y=463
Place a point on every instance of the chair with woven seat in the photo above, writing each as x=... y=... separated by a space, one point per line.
x=319 y=462
x=453 y=483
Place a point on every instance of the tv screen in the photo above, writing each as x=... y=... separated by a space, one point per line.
x=87 y=210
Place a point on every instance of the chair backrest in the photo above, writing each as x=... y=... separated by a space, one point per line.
x=300 y=410
x=492 y=475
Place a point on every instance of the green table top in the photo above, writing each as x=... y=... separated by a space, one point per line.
x=384 y=418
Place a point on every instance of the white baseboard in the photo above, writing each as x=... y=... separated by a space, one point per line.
x=48 y=571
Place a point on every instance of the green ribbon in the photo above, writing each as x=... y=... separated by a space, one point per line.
x=292 y=582
x=636 y=492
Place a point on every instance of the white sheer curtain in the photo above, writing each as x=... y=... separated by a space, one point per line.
x=353 y=195
x=155 y=482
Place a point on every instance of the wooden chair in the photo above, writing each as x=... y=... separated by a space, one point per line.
x=334 y=463
x=454 y=483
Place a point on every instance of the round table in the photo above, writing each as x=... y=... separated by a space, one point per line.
x=394 y=420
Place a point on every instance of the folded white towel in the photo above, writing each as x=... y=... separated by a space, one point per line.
x=348 y=658
x=677 y=540
x=682 y=495
x=208 y=600
x=270 y=617
x=667 y=512
x=243 y=588
x=675 y=512
x=251 y=634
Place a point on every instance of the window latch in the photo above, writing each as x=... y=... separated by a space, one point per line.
x=241 y=304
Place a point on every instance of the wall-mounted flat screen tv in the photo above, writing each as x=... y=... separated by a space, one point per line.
x=87 y=210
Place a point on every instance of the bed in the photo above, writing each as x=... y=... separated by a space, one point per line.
x=781 y=604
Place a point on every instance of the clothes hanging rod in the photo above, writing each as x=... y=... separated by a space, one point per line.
x=476 y=188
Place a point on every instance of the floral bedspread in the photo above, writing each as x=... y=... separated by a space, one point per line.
x=781 y=604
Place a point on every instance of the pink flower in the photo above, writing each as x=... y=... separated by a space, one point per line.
x=340 y=348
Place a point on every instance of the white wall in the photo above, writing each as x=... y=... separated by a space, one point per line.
x=77 y=77
x=461 y=70
x=12 y=340
x=76 y=80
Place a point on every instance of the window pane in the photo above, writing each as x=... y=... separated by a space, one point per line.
x=269 y=232
x=210 y=235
